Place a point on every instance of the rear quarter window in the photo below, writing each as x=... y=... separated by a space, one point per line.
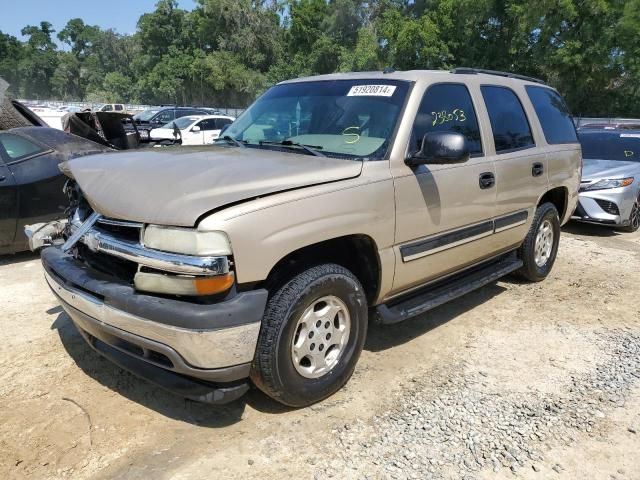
x=17 y=147
x=509 y=123
x=553 y=114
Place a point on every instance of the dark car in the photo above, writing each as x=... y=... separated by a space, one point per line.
x=156 y=117
x=30 y=183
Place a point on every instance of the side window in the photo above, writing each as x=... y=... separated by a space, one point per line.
x=165 y=116
x=119 y=108
x=509 y=123
x=553 y=114
x=221 y=122
x=18 y=147
x=208 y=124
x=107 y=108
x=447 y=107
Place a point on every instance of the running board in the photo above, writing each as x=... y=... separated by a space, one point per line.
x=434 y=296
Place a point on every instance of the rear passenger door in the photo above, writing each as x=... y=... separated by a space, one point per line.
x=521 y=176
x=443 y=213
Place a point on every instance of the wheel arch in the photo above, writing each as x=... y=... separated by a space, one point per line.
x=559 y=197
x=356 y=252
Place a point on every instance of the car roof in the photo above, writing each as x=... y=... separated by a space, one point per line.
x=497 y=78
x=609 y=131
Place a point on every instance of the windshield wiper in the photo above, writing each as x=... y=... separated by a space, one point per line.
x=232 y=141
x=312 y=149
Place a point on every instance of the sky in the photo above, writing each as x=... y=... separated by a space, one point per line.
x=121 y=15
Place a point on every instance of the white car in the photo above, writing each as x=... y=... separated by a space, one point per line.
x=194 y=130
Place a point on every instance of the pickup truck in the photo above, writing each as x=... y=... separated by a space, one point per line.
x=332 y=202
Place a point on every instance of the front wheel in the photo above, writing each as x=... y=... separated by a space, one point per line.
x=634 y=218
x=540 y=247
x=312 y=335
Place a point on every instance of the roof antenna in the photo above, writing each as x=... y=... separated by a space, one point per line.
x=388 y=70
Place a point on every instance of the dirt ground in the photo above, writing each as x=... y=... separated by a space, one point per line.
x=67 y=413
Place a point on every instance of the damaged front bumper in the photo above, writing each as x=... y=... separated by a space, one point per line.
x=199 y=351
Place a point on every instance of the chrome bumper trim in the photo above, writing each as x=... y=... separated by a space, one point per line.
x=199 y=348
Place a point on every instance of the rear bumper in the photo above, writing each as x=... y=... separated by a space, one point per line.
x=203 y=352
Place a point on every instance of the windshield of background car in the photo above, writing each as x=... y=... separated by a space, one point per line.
x=145 y=116
x=339 y=118
x=611 y=146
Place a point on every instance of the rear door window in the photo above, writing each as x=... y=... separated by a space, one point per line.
x=553 y=114
x=511 y=130
x=447 y=107
x=208 y=124
x=119 y=108
x=221 y=122
x=17 y=147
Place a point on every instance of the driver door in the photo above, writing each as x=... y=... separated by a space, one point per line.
x=443 y=212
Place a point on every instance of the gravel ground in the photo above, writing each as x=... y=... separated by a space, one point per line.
x=452 y=424
x=512 y=381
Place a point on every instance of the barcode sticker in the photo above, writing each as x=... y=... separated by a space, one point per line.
x=371 y=91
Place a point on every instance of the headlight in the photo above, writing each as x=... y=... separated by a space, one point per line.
x=610 y=183
x=187 y=241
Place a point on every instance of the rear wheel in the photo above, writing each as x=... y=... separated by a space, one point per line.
x=634 y=218
x=312 y=334
x=540 y=247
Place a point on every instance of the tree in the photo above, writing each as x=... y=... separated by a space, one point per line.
x=39 y=60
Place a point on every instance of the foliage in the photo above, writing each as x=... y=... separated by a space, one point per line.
x=225 y=52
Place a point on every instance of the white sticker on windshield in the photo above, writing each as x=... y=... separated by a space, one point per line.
x=371 y=91
x=630 y=135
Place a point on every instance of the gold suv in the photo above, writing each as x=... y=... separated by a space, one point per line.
x=332 y=201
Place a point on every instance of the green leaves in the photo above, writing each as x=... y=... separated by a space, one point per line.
x=226 y=52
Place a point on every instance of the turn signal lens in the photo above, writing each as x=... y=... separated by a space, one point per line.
x=212 y=285
x=182 y=284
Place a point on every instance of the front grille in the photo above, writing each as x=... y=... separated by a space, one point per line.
x=609 y=207
x=123 y=270
x=120 y=229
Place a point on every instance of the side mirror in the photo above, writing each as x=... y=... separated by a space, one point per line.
x=195 y=128
x=441 y=148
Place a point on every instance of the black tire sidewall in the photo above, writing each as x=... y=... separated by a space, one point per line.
x=292 y=388
x=531 y=270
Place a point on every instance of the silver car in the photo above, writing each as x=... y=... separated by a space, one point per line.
x=610 y=185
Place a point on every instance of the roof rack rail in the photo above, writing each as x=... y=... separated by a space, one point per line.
x=467 y=70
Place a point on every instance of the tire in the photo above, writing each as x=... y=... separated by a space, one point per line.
x=275 y=370
x=634 y=218
x=13 y=114
x=545 y=220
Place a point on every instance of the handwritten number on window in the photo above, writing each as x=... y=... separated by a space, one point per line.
x=456 y=115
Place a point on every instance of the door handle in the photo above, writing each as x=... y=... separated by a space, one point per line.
x=487 y=180
x=537 y=169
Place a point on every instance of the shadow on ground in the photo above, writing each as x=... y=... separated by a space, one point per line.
x=13 y=258
x=590 y=230
x=382 y=337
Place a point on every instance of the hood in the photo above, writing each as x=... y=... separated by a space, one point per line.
x=596 y=169
x=175 y=186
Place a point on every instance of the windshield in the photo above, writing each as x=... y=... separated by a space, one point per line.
x=146 y=115
x=611 y=146
x=339 y=118
x=181 y=123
